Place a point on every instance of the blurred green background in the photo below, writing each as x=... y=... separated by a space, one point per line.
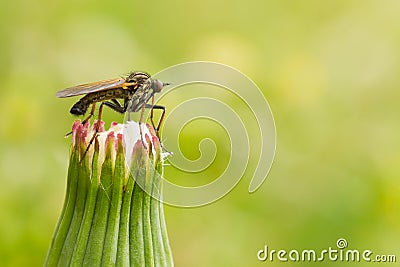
x=329 y=69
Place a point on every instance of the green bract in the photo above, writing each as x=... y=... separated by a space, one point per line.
x=107 y=218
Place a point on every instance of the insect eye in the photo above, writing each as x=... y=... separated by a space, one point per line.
x=157 y=86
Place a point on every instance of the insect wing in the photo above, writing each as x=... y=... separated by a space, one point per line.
x=90 y=87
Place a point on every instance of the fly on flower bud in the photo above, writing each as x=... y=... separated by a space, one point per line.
x=135 y=90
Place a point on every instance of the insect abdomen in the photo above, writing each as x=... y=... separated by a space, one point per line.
x=79 y=108
x=82 y=105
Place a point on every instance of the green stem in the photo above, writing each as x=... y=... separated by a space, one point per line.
x=84 y=231
x=136 y=244
x=94 y=249
x=82 y=189
x=64 y=221
x=111 y=239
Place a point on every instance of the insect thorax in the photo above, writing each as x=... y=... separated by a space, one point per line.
x=137 y=77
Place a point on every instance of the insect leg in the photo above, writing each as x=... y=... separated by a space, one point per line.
x=91 y=113
x=88 y=117
x=151 y=115
x=151 y=112
x=116 y=106
x=159 y=123
x=96 y=130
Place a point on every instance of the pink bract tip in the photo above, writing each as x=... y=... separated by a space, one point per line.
x=155 y=141
x=151 y=129
x=120 y=137
x=101 y=126
x=119 y=141
x=147 y=137
x=76 y=128
x=83 y=132
x=110 y=138
x=138 y=148
x=75 y=125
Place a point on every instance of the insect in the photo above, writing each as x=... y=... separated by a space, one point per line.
x=135 y=90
